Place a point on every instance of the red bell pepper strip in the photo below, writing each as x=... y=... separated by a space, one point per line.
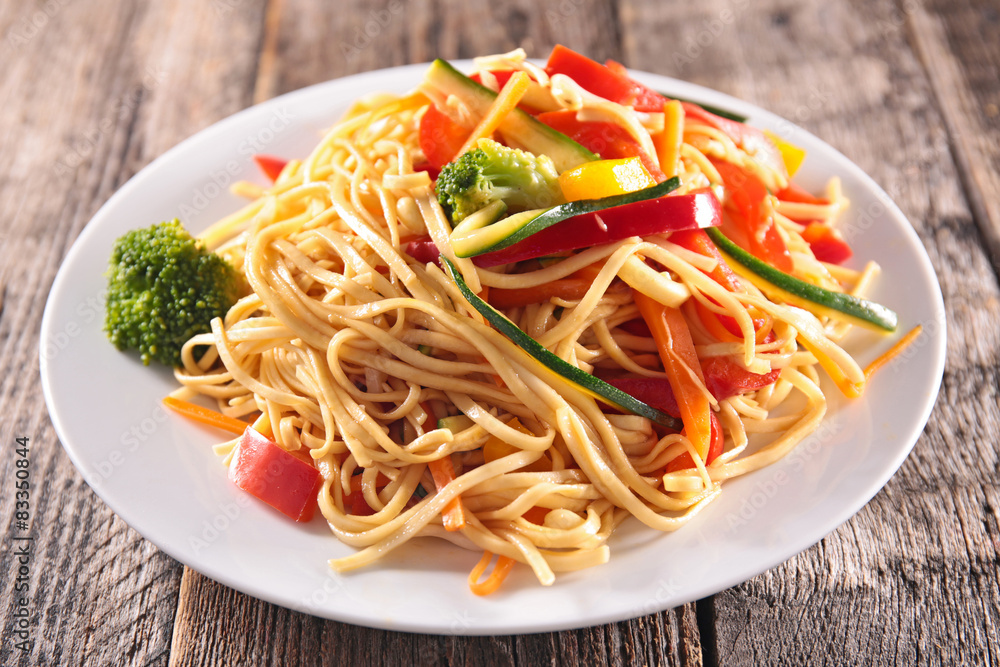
x=725 y=377
x=270 y=165
x=355 y=500
x=697 y=241
x=695 y=210
x=637 y=327
x=643 y=98
x=424 y=251
x=746 y=204
x=826 y=243
x=440 y=137
x=799 y=195
x=612 y=82
x=609 y=140
x=591 y=75
x=715 y=447
x=266 y=471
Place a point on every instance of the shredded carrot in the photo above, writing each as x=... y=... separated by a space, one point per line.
x=497 y=576
x=506 y=101
x=677 y=352
x=454 y=513
x=536 y=515
x=206 y=416
x=668 y=143
x=901 y=345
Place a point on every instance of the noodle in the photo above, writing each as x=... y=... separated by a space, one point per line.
x=347 y=346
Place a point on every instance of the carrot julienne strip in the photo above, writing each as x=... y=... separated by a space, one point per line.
x=497 y=576
x=206 y=416
x=677 y=352
x=506 y=101
x=668 y=143
x=893 y=351
x=443 y=473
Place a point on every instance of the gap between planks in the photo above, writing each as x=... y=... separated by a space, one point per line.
x=945 y=77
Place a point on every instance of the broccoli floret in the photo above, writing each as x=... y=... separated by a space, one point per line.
x=163 y=288
x=493 y=171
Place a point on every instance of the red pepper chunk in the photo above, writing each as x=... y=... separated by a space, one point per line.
x=643 y=98
x=697 y=241
x=591 y=75
x=269 y=473
x=695 y=210
x=724 y=377
x=746 y=205
x=440 y=137
x=609 y=140
x=270 y=165
x=826 y=243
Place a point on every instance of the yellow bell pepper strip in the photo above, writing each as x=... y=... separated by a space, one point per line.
x=605 y=178
x=505 y=102
x=492 y=582
x=791 y=154
x=668 y=143
x=206 y=416
x=676 y=348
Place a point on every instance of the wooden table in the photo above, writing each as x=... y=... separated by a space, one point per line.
x=908 y=90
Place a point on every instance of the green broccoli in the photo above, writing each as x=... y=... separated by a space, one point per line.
x=163 y=288
x=492 y=171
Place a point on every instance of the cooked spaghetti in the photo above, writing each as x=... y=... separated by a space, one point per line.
x=425 y=420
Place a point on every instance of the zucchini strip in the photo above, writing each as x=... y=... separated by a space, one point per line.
x=780 y=286
x=469 y=242
x=590 y=384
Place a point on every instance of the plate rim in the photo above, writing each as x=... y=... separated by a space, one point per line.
x=755 y=113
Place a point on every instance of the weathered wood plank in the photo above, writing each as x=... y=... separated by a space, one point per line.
x=912 y=577
x=315 y=42
x=216 y=625
x=89 y=96
x=957 y=45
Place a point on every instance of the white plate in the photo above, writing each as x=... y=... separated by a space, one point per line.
x=158 y=473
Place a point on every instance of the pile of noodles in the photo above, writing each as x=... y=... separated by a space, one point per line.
x=327 y=351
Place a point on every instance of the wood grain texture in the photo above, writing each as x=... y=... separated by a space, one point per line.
x=89 y=97
x=912 y=578
x=907 y=90
x=957 y=44
x=218 y=626
x=310 y=42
